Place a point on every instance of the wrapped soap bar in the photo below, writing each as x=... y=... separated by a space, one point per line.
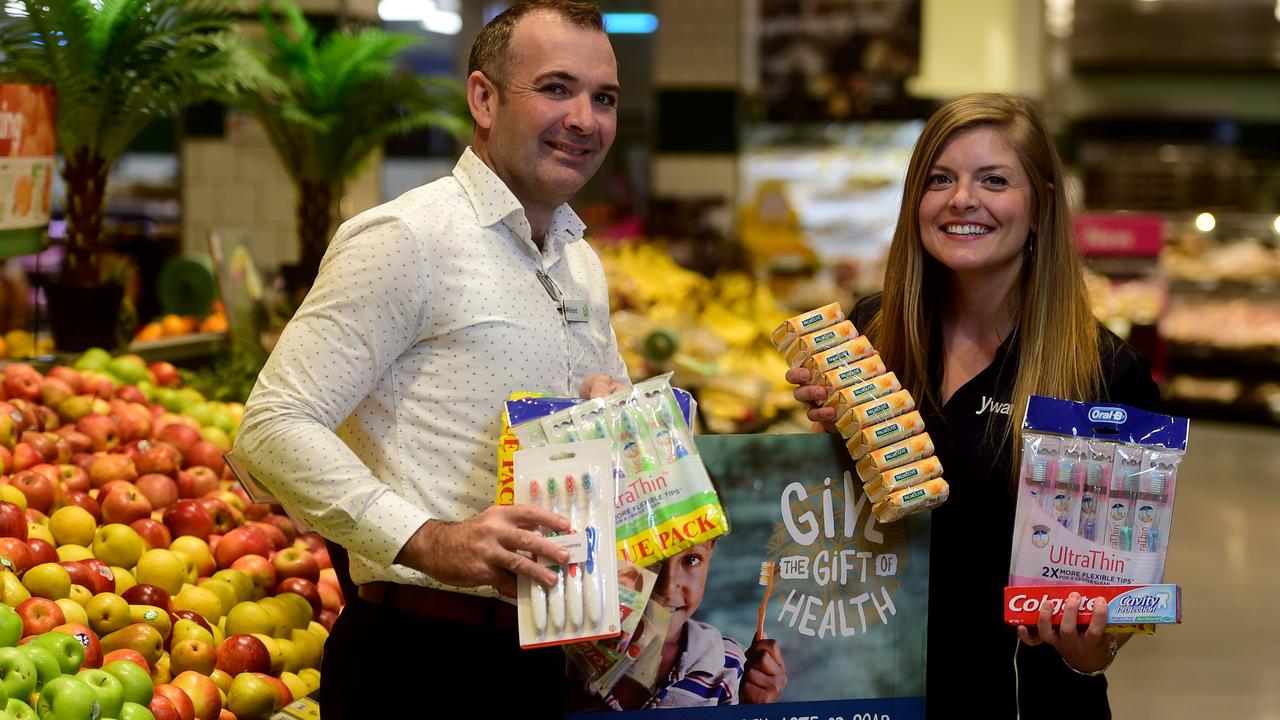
x=868 y=439
x=852 y=374
x=886 y=458
x=925 y=496
x=815 y=342
x=845 y=399
x=805 y=323
x=875 y=411
x=903 y=477
x=839 y=356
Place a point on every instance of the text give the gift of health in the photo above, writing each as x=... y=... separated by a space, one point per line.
x=838 y=613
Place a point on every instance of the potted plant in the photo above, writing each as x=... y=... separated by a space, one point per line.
x=334 y=100
x=115 y=66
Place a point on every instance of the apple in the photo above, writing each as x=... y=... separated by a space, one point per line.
x=145 y=594
x=102 y=577
x=42 y=551
x=134 y=711
x=274 y=534
x=166 y=374
x=82 y=499
x=108 y=613
x=139 y=636
x=309 y=646
x=90 y=646
x=17 y=673
x=159 y=489
x=124 y=505
x=6 y=460
x=79 y=573
x=188 y=517
x=326 y=618
x=241 y=542
x=205 y=454
x=196 y=481
x=134 y=679
x=41 y=492
x=131 y=394
x=284 y=696
x=155 y=617
x=203 y=693
x=197 y=551
x=126 y=655
x=221 y=516
x=106 y=468
x=249 y=618
x=160 y=457
x=192 y=654
x=43 y=659
x=252 y=698
x=107 y=687
x=41 y=443
x=74 y=409
x=153 y=532
x=67 y=649
x=294 y=562
x=179 y=701
x=67 y=375
x=242 y=653
x=13 y=521
x=79 y=442
x=64 y=698
x=26 y=387
x=48 y=580
x=102 y=431
x=16 y=555
x=259 y=570
x=180 y=435
x=54 y=390
x=286 y=527
x=25 y=457
x=161 y=567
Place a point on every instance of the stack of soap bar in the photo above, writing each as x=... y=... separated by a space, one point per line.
x=874 y=414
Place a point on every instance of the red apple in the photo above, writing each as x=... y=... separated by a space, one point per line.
x=322 y=557
x=205 y=454
x=282 y=690
x=70 y=376
x=204 y=694
x=125 y=505
x=132 y=656
x=83 y=460
x=80 y=498
x=179 y=701
x=303 y=587
x=285 y=525
x=106 y=468
x=159 y=457
x=103 y=579
x=41 y=443
x=165 y=373
x=25 y=456
x=80 y=573
x=144 y=594
x=88 y=640
x=180 y=435
x=241 y=542
x=221 y=516
x=273 y=533
x=295 y=562
x=259 y=569
x=111 y=487
x=314 y=541
x=102 y=431
x=39 y=615
x=13 y=522
x=80 y=443
x=41 y=492
x=130 y=393
x=188 y=517
x=26 y=387
x=326 y=618
x=243 y=653
x=99 y=385
x=16 y=555
x=54 y=390
x=192 y=615
x=196 y=481
x=35 y=516
x=160 y=490
x=153 y=532
x=74 y=477
x=42 y=551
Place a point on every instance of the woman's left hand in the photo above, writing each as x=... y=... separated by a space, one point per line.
x=1087 y=651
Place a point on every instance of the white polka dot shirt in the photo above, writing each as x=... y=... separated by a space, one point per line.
x=379 y=407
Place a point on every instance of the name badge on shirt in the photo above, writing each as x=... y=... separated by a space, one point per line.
x=576 y=310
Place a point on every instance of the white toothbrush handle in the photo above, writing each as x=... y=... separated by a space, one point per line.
x=591 y=583
x=555 y=596
x=538 y=598
x=573 y=582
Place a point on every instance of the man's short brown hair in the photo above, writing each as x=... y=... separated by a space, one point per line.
x=490 y=51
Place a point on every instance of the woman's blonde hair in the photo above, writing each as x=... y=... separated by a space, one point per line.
x=1057 y=334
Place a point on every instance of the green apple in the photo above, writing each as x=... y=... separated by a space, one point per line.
x=202 y=413
x=48 y=580
x=148 y=389
x=160 y=567
x=251 y=697
x=10 y=626
x=199 y=600
x=280 y=613
x=310 y=647
x=20 y=710
x=218 y=437
x=138 y=687
x=292 y=658
x=93 y=359
x=107 y=613
x=107 y=687
x=167 y=398
x=17 y=673
x=45 y=662
x=186 y=629
x=118 y=544
x=130 y=369
x=238 y=580
x=227 y=597
x=67 y=698
x=188 y=397
x=249 y=617
x=6 y=715
x=297 y=686
x=68 y=650
x=134 y=711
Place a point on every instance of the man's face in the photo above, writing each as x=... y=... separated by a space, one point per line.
x=681 y=582
x=550 y=127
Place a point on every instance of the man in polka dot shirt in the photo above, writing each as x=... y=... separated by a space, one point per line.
x=376 y=417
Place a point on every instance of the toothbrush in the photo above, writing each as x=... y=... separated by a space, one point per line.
x=766 y=579
x=668 y=436
x=555 y=597
x=537 y=593
x=591 y=586
x=573 y=588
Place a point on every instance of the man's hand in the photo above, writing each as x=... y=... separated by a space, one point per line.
x=813 y=396
x=598 y=386
x=484 y=549
x=766 y=674
x=1086 y=651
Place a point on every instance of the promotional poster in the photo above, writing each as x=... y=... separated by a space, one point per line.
x=807 y=604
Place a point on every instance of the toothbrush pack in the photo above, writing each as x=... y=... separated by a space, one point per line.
x=571 y=480
x=1095 y=495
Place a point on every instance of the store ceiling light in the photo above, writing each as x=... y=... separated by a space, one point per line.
x=1205 y=222
x=1276 y=225
x=428 y=13
x=630 y=23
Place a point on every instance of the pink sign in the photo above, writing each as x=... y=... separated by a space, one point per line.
x=1119 y=234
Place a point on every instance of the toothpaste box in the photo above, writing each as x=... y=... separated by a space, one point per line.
x=1126 y=604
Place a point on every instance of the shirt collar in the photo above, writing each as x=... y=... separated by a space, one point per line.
x=494 y=202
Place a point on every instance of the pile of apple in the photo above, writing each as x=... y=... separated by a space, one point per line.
x=138 y=580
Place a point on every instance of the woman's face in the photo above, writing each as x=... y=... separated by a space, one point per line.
x=976 y=210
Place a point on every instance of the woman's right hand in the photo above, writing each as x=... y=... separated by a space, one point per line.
x=813 y=396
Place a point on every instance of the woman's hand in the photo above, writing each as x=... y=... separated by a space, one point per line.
x=1088 y=651
x=813 y=396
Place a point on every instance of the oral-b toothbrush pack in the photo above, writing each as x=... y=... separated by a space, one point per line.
x=1095 y=495
x=571 y=480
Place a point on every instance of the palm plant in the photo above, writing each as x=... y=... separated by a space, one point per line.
x=115 y=66
x=337 y=99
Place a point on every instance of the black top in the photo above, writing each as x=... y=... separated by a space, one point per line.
x=970 y=664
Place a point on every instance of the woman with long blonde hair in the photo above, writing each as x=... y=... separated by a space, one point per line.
x=984 y=304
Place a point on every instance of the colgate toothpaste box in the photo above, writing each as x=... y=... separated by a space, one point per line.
x=1126 y=604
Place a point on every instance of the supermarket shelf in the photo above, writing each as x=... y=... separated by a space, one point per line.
x=195 y=346
x=1225 y=288
x=1241 y=412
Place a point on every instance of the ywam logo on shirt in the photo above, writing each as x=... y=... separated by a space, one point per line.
x=1113 y=415
x=990 y=405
